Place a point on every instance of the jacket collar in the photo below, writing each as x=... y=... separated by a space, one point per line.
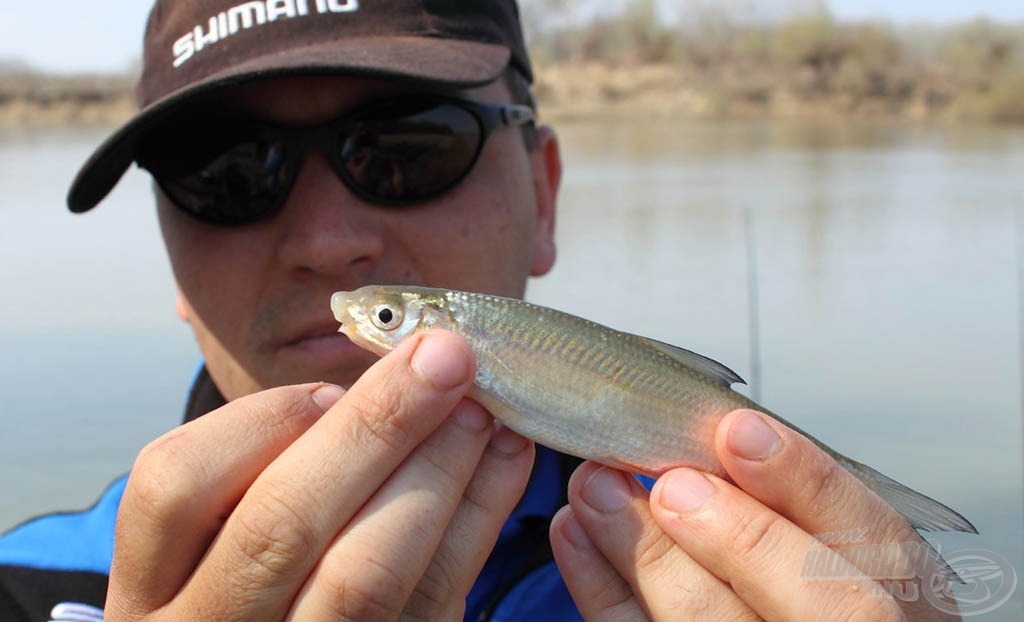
x=203 y=396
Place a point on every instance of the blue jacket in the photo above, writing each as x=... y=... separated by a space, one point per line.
x=56 y=566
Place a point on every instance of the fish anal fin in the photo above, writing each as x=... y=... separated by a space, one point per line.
x=656 y=471
x=622 y=465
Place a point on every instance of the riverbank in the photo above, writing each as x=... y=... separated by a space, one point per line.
x=587 y=91
x=592 y=91
x=29 y=99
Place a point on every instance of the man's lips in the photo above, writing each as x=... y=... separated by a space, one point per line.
x=320 y=342
x=327 y=330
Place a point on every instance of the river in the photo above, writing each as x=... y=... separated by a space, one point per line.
x=865 y=279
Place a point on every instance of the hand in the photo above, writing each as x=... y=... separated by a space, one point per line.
x=309 y=503
x=701 y=548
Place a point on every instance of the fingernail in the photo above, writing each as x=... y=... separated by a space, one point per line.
x=751 y=438
x=471 y=416
x=507 y=442
x=685 y=490
x=574 y=532
x=606 y=491
x=326 y=395
x=438 y=364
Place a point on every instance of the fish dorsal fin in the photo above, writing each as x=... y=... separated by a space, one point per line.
x=709 y=368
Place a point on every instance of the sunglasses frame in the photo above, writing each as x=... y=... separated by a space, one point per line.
x=296 y=140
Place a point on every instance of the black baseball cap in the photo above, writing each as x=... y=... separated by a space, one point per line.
x=193 y=47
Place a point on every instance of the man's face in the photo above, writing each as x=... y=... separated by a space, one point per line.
x=257 y=296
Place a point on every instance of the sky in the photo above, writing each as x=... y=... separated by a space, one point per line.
x=70 y=36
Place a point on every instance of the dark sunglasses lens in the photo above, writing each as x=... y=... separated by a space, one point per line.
x=226 y=176
x=410 y=152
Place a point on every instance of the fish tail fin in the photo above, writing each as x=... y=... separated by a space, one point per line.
x=921 y=511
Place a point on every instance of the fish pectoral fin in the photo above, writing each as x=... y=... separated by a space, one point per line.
x=697 y=362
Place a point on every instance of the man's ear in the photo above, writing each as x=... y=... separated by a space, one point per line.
x=546 y=162
x=180 y=307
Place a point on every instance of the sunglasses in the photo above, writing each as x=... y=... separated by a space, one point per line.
x=397 y=152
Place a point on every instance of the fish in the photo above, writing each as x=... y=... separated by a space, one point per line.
x=591 y=391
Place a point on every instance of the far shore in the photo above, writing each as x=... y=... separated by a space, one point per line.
x=565 y=92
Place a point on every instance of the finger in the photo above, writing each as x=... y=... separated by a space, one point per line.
x=614 y=510
x=298 y=505
x=794 y=477
x=599 y=591
x=758 y=552
x=378 y=558
x=492 y=494
x=800 y=481
x=184 y=484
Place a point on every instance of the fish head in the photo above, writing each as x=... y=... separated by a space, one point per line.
x=378 y=317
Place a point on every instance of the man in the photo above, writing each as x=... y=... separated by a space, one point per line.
x=303 y=147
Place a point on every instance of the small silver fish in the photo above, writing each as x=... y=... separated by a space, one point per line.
x=590 y=391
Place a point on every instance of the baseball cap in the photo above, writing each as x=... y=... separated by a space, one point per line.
x=194 y=47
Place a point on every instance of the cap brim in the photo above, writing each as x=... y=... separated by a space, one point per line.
x=446 y=63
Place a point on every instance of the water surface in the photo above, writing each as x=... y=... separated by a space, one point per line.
x=885 y=259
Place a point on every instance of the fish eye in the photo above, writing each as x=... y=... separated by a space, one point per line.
x=386 y=316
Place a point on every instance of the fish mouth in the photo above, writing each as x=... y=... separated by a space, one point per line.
x=339 y=306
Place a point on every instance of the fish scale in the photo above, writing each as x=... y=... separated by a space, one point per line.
x=591 y=391
x=591 y=382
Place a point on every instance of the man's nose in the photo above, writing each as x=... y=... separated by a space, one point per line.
x=325 y=227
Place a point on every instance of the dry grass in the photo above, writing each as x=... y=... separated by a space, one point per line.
x=32 y=99
x=712 y=63
x=718 y=62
